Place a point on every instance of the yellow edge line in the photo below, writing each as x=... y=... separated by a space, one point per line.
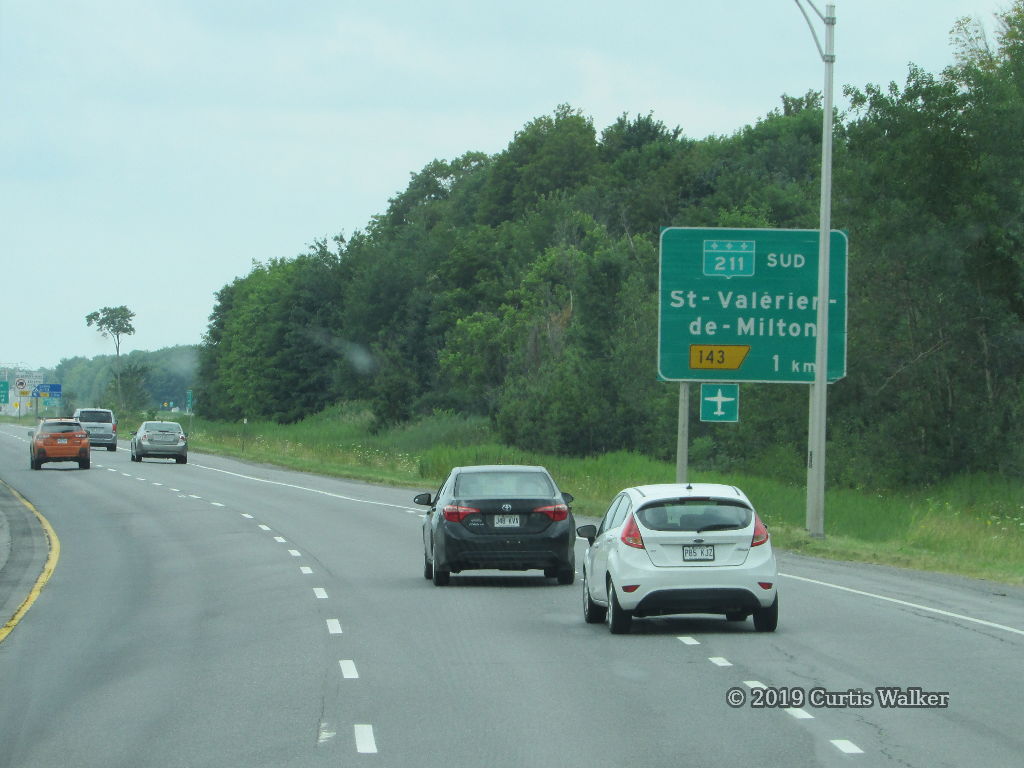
x=48 y=568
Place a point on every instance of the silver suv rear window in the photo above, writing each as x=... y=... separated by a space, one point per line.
x=95 y=417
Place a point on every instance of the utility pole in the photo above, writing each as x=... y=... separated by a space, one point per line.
x=818 y=408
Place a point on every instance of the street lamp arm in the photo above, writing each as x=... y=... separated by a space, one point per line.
x=828 y=20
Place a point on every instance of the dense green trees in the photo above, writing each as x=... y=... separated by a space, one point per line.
x=523 y=285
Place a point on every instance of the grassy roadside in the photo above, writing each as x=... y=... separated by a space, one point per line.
x=971 y=525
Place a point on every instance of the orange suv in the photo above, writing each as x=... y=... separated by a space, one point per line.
x=59 y=440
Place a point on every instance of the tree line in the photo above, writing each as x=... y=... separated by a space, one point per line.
x=523 y=285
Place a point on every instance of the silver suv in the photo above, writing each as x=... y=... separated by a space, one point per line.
x=101 y=424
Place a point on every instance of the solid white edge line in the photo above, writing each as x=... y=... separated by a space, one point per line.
x=907 y=604
x=348 y=669
x=846 y=746
x=365 y=743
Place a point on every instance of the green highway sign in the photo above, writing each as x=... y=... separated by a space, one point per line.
x=5 y=387
x=741 y=305
x=720 y=402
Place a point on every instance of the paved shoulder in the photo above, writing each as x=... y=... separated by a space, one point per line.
x=24 y=549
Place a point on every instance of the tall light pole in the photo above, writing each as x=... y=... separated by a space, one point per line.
x=818 y=407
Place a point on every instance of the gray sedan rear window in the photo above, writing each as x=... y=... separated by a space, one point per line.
x=695 y=515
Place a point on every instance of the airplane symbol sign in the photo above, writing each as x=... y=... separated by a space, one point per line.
x=720 y=402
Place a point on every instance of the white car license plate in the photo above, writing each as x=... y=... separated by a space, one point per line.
x=506 y=521
x=701 y=552
x=62 y=441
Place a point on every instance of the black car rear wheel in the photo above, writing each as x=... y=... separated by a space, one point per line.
x=441 y=578
x=428 y=569
x=566 y=576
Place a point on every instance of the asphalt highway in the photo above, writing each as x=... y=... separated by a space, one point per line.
x=221 y=613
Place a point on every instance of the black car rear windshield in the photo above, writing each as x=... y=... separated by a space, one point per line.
x=513 y=485
x=55 y=427
x=695 y=515
x=95 y=417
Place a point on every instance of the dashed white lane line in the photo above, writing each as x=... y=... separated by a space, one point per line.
x=348 y=669
x=264 y=527
x=365 y=742
x=294 y=553
x=125 y=474
x=689 y=641
x=320 y=592
x=799 y=714
x=305 y=570
x=906 y=604
x=247 y=515
x=720 y=661
x=216 y=504
x=334 y=626
x=847 y=747
x=280 y=539
x=111 y=469
x=176 y=490
x=193 y=496
x=158 y=484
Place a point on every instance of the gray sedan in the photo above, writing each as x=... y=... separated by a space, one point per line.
x=160 y=439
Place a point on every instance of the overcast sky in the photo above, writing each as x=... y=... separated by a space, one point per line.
x=151 y=150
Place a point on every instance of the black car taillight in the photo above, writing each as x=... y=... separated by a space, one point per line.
x=556 y=512
x=456 y=514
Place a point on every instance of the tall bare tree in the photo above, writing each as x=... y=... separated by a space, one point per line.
x=113 y=323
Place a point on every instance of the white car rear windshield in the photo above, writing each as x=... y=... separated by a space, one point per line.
x=695 y=515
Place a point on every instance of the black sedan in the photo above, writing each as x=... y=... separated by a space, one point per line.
x=502 y=517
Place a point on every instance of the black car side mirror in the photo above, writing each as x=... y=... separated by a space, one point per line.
x=588 y=532
x=422 y=499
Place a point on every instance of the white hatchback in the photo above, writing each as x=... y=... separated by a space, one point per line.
x=679 y=548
